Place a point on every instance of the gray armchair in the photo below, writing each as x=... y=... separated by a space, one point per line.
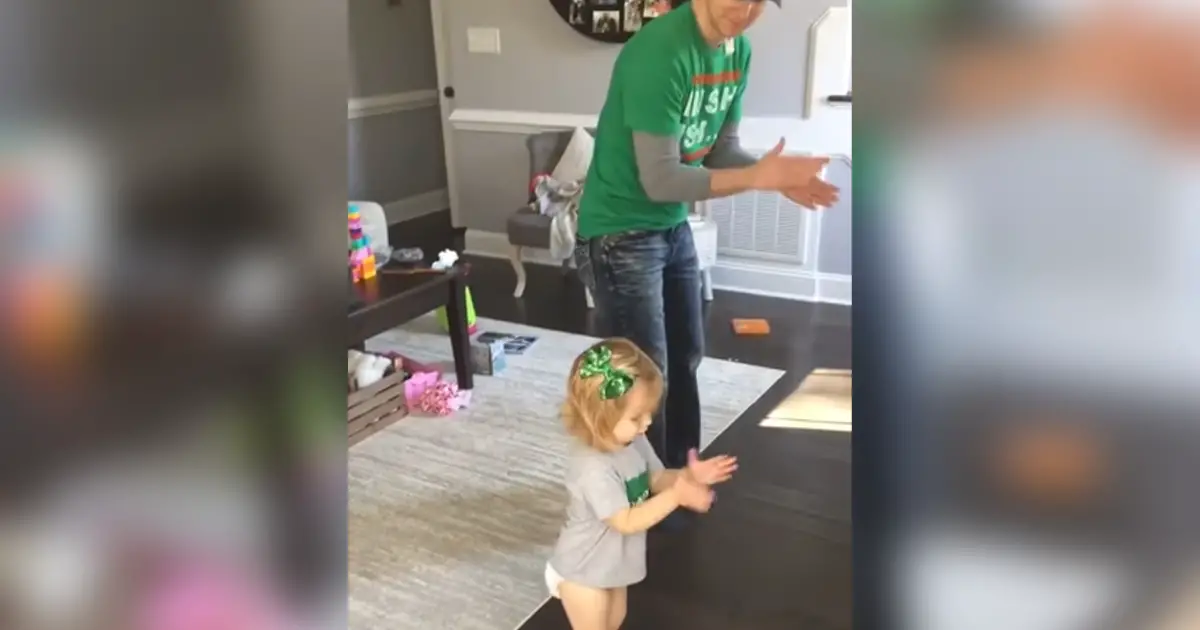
x=526 y=227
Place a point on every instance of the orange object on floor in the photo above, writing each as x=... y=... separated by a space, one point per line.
x=751 y=327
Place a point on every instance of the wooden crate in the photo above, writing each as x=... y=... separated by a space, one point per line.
x=374 y=408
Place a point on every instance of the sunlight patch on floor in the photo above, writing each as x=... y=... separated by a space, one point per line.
x=822 y=402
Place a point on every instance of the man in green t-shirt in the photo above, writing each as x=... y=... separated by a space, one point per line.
x=668 y=137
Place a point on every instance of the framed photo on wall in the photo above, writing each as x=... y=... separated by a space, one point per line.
x=611 y=21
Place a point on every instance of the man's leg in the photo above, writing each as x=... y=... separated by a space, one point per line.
x=628 y=272
x=685 y=345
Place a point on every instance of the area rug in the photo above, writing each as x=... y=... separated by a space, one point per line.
x=451 y=519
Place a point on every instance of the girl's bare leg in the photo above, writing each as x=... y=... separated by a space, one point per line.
x=587 y=608
x=616 y=608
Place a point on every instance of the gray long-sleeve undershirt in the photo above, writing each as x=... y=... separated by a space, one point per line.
x=665 y=177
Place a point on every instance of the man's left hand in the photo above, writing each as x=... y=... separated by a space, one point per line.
x=817 y=193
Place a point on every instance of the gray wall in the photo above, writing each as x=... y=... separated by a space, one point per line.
x=544 y=66
x=392 y=47
x=835 y=253
x=398 y=155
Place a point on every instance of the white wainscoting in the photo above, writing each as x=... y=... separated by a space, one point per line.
x=390 y=103
x=829 y=134
x=383 y=104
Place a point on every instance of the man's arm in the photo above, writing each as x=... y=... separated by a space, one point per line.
x=728 y=151
x=654 y=98
x=665 y=177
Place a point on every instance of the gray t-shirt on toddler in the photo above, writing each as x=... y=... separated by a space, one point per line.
x=600 y=485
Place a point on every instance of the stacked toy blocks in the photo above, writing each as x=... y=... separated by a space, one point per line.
x=362 y=260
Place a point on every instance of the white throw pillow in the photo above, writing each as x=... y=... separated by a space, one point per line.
x=575 y=161
x=374 y=224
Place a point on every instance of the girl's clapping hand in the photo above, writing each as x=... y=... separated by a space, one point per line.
x=711 y=471
x=692 y=495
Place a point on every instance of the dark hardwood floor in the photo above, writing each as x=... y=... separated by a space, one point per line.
x=775 y=552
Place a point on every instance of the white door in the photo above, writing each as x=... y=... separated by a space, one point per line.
x=442 y=54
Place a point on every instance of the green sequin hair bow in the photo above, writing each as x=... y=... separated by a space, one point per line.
x=598 y=362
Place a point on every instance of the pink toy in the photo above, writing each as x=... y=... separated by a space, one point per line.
x=416 y=385
x=441 y=399
x=200 y=597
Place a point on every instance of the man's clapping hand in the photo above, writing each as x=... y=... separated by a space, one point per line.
x=817 y=193
x=778 y=172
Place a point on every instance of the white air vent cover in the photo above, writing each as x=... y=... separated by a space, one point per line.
x=760 y=225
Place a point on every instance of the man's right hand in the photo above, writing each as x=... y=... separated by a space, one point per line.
x=778 y=172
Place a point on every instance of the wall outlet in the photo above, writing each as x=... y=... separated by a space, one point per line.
x=483 y=40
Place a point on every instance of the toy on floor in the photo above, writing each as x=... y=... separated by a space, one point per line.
x=370 y=370
x=427 y=392
x=362 y=260
x=417 y=384
x=442 y=399
x=751 y=327
x=488 y=357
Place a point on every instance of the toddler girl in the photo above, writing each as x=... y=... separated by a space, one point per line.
x=617 y=486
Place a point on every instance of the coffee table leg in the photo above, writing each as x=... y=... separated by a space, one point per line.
x=460 y=338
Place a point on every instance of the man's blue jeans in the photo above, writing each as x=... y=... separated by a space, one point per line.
x=647 y=286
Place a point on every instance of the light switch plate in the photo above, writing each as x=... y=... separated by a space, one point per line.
x=483 y=40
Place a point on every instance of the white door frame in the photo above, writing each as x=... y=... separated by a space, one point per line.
x=441 y=53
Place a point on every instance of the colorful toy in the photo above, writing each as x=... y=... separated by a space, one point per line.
x=751 y=327
x=198 y=596
x=362 y=259
x=444 y=318
x=442 y=399
x=446 y=260
x=416 y=385
x=488 y=359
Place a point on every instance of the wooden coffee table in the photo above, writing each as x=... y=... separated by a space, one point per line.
x=390 y=299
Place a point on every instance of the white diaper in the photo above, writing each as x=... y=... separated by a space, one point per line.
x=553 y=579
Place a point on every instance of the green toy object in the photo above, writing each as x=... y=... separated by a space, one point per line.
x=446 y=259
x=444 y=318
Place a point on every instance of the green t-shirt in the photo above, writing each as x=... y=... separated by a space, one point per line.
x=667 y=82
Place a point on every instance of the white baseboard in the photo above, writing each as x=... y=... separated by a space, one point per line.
x=783 y=281
x=835 y=288
x=752 y=277
x=391 y=103
x=416 y=206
